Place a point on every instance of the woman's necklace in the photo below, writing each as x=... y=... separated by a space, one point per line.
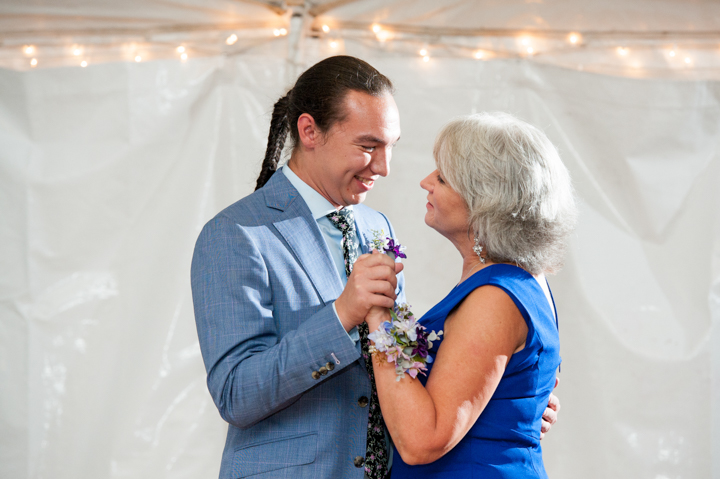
x=470 y=272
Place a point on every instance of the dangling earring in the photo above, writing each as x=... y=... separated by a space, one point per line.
x=478 y=249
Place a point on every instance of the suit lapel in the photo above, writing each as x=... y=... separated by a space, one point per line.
x=363 y=229
x=300 y=230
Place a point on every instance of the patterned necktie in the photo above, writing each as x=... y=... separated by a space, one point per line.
x=376 y=458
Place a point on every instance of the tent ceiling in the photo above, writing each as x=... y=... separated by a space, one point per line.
x=108 y=30
x=43 y=17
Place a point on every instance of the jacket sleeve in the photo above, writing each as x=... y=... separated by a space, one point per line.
x=252 y=371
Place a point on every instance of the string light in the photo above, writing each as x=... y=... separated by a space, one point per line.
x=383 y=35
x=525 y=47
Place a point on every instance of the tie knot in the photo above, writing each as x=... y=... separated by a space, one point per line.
x=344 y=220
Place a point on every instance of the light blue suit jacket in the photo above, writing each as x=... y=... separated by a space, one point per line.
x=263 y=284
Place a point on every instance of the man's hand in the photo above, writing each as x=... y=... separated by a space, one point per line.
x=549 y=417
x=371 y=283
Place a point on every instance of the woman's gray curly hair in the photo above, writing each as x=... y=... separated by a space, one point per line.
x=518 y=192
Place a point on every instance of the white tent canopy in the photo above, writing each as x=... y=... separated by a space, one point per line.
x=108 y=170
x=644 y=39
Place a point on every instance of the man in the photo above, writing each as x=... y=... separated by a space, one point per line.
x=279 y=293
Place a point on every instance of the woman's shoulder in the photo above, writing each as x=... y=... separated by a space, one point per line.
x=504 y=279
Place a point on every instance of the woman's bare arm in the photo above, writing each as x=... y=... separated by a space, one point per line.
x=479 y=339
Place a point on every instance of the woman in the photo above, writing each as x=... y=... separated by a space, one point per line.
x=503 y=197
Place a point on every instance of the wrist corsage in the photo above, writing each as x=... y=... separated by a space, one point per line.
x=402 y=340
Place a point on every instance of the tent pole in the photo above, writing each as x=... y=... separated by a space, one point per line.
x=295 y=36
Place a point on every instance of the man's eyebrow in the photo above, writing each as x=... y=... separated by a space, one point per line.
x=372 y=139
x=368 y=139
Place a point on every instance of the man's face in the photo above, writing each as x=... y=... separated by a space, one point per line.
x=356 y=151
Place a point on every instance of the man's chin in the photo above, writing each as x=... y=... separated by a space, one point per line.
x=355 y=199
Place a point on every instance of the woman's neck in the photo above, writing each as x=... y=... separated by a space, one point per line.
x=471 y=261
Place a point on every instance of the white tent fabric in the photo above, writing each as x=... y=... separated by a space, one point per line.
x=108 y=173
x=677 y=39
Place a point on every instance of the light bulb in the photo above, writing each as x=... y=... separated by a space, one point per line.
x=283 y=31
x=180 y=49
x=479 y=54
x=33 y=62
x=426 y=58
x=83 y=64
x=231 y=39
x=184 y=56
x=138 y=58
x=376 y=28
x=333 y=44
x=382 y=35
x=325 y=28
x=671 y=53
x=29 y=49
x=622 y=51
x=530 y=50
x=77 y=51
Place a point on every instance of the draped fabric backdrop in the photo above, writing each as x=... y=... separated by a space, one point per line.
x=108 y=173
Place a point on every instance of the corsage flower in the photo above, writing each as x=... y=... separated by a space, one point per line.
x=402 y=340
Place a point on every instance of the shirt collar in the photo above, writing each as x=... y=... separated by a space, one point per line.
x=319 y=206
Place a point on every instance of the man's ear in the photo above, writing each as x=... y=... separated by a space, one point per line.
x=308 y=131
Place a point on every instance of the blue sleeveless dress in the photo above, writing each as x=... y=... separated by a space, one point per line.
x=505 y=440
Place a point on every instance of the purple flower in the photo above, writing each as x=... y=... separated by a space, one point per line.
x=395 y=248
x=422 y=346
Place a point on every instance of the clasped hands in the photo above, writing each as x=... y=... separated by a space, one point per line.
x=370 y=287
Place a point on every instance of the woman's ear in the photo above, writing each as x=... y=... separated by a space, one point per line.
x=308 y=131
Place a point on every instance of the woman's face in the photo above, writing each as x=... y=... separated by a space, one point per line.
x=447 y=212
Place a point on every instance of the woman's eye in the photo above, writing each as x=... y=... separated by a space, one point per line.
x=440 y=180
